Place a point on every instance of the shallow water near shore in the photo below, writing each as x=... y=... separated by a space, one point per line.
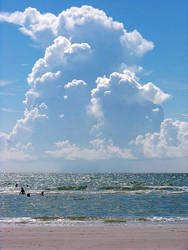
x=94 y=198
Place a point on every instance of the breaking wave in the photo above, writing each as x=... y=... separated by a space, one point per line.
x=86 y=220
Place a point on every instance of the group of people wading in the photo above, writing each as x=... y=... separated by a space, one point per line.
x=22 y=191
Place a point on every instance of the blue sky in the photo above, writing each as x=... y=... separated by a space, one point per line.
x=99 y=87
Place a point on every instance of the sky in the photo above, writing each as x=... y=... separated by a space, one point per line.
x=94 y=86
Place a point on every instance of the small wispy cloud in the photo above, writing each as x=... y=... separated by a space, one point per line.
x=178 y=115
x=4 y=83
x=7 y=94
x=184 y=115
x=8 y=110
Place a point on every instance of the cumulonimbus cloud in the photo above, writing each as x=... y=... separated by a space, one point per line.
x=84 y=89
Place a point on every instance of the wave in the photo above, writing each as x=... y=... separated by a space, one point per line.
x=133 y=189
x=71 y=188
x=125 y=188
x=74 y=220
x=167 y=189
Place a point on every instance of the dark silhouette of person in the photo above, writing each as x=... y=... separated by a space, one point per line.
x=28 y=195
x=16 y=185
x=22 y=191
x=42 y=193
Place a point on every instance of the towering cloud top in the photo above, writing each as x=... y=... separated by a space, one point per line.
x=85 y=24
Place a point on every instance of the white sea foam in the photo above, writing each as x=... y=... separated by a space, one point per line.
x=168 y=219
x=89 y=221
x=151 y=189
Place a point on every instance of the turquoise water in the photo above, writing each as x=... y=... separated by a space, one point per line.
x=94 y=198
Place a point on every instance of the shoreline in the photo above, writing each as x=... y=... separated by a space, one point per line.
x=98 y=237
x=91 y=220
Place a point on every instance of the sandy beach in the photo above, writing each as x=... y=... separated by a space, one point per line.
x=172 y=237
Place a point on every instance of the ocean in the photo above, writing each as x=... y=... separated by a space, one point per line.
x=92 y=199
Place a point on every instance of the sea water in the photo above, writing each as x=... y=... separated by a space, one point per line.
x=93 y=198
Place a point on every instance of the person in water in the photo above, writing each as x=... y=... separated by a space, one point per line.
x=16 y=185
x=42 y=193
x=22 y=191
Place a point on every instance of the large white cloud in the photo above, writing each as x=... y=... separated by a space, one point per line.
x=75 y=83
x=152 y=93
x=16 y=145
x=59 y=54
x=33 y=23
x=83 y=90
x=129 y=83
x=19 y=152
x=26 y=124
x=124 y=108
x=136 y=43
x=97 y=150
x=85 y=24
x=170 y=142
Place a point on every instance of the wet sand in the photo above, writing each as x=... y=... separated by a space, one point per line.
x=116 y=237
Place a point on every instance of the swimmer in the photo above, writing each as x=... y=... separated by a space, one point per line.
x=22 y=191
x=28 y=194
x=42 y=193
x=16 y=185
